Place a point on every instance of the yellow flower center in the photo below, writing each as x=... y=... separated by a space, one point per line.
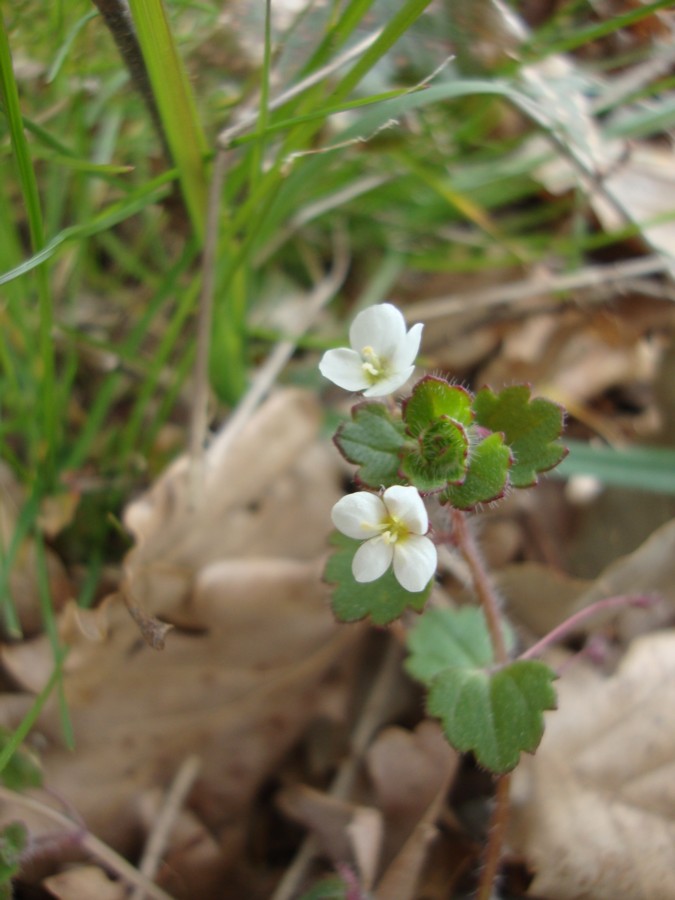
x=374 y=367
x=393 y=530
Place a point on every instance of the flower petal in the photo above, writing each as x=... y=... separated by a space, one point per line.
x=344 y=368
x=372 y=559
x=389 y=384
x=381 y=327
x=406 y=352
x=406 y=505
x=359 y=515
x=415 y=561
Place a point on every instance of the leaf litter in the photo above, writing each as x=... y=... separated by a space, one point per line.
x=254 y=659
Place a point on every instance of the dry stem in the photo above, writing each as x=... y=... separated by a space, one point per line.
x=104 y=854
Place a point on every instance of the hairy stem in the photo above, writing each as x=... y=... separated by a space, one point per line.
x=642 y=601
x=488 y=599
x=493 y=851
x=482 y=584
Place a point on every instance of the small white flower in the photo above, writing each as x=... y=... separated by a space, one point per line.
x=393 y=527
x=382 y=356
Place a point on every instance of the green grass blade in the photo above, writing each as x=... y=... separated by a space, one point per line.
x=175 y=102
x=646 y=468
x=45 y=450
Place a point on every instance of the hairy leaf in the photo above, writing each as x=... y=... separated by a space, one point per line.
x=486 y=477
x=530 y=427
x=440 y=456
x=373 y=441
x=495 y=715
x=384 y=600
x=445 y=638
x=432 y=398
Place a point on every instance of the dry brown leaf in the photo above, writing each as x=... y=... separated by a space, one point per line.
x=540 y=598
x=238 y=694
x=328 y=818
x=594 y=809
x=409 y=770
x=84 y=883
x=266 y=491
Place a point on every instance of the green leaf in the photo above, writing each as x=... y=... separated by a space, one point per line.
x=372 y=440
x=22 y=770
x=331 y=888
x=486 y=477
x=456 y=638
x=433 y=398
x=384 y=600
x=530 y=427
x=440 y=456
x=495 y=715
x=13 y=838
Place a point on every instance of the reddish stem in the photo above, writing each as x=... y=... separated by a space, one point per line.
x=484 y=589
x=641 y=601
x=487 y=596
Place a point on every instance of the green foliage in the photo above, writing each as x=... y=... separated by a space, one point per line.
x=373 y=441
x=440 y=457
x=531 y=428
x=447 y=637
x=443 y=442
x=433 y=398
x=332 y=888
x=496 y=713
x=486 y=477
x=383 y=600
x=21 y=770
x=436 y=415
x=13 y=839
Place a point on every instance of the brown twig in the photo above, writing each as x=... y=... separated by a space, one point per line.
x=104 y=854
x=541 y=283
x=161 y=832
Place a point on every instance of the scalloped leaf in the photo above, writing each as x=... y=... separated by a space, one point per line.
x=486 y=477
x=440 y=456
x=384 y=600
x=373 y=441
x=433 y=398
x=495 y=715
x=531 y=427
x=13 y=840
x=457 y=638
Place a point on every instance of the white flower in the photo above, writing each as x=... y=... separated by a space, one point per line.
x=382 y=355
x=394 y=528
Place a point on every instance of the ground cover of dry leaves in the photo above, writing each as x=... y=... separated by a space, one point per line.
x=260 y=722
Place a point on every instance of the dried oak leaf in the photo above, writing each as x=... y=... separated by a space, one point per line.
x=233 y=564
x=265 y=489
x=594 y=810
x=238 y=694
x=541 y=598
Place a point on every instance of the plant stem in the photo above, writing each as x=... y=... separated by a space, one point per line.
x=493 y=851
x=488 y=599
x=481 y=580
x=641 y=601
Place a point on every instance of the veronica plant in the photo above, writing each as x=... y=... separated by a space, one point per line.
x=457 y=450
